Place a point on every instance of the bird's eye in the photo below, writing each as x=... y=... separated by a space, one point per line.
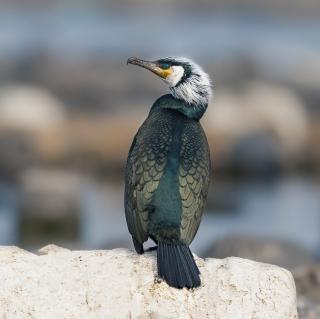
x=165 y=66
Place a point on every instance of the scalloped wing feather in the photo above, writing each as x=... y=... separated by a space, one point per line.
x=194 y=177
x=145 y=167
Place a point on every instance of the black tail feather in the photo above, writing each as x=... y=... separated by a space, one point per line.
x=176 y=265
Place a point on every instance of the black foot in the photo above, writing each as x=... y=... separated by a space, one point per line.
x=152 y=248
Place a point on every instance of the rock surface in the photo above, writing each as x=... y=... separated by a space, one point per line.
x=120 y=284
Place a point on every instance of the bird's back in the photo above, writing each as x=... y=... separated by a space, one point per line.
x=167 y=177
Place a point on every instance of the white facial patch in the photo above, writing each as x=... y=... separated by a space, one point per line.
x=174 y=78
x=195 y=88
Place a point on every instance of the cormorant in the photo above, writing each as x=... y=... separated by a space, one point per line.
x=168 y=168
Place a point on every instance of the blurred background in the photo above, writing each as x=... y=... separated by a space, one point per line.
x=69 y=108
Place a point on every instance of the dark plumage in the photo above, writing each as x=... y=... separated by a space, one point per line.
x=166 y=183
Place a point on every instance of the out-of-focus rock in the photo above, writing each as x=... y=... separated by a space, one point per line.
x=104 y=141
x=32 y=126
x=256 y=154
x=50 y=205
x=259 y=110
x=261 y=129
x=308 y=309
x=29 y=108
x=281 y=113
x=271 y=251
x=50 y=193
x=16 y=154
x=308 y=281
x=121 y=284
x=70 y=208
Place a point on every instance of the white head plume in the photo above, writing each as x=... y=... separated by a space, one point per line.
x=189 y=82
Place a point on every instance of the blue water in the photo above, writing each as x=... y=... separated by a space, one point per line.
x=287 y=208
x=9 y=215
x=86 y=31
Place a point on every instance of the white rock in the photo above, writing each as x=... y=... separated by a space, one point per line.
x=25 y=107
x=121 y=284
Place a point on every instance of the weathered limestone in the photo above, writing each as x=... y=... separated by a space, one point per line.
x=120 y=284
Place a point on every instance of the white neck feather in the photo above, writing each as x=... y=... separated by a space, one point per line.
x=195 y=89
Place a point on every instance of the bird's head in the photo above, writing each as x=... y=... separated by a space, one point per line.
x=186 y=80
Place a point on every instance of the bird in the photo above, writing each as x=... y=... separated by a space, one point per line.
x=168 y=169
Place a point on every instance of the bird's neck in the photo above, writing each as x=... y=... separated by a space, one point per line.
x=194 y=111
x=194 y=89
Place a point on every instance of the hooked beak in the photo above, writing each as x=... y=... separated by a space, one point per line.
x=151 y=66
